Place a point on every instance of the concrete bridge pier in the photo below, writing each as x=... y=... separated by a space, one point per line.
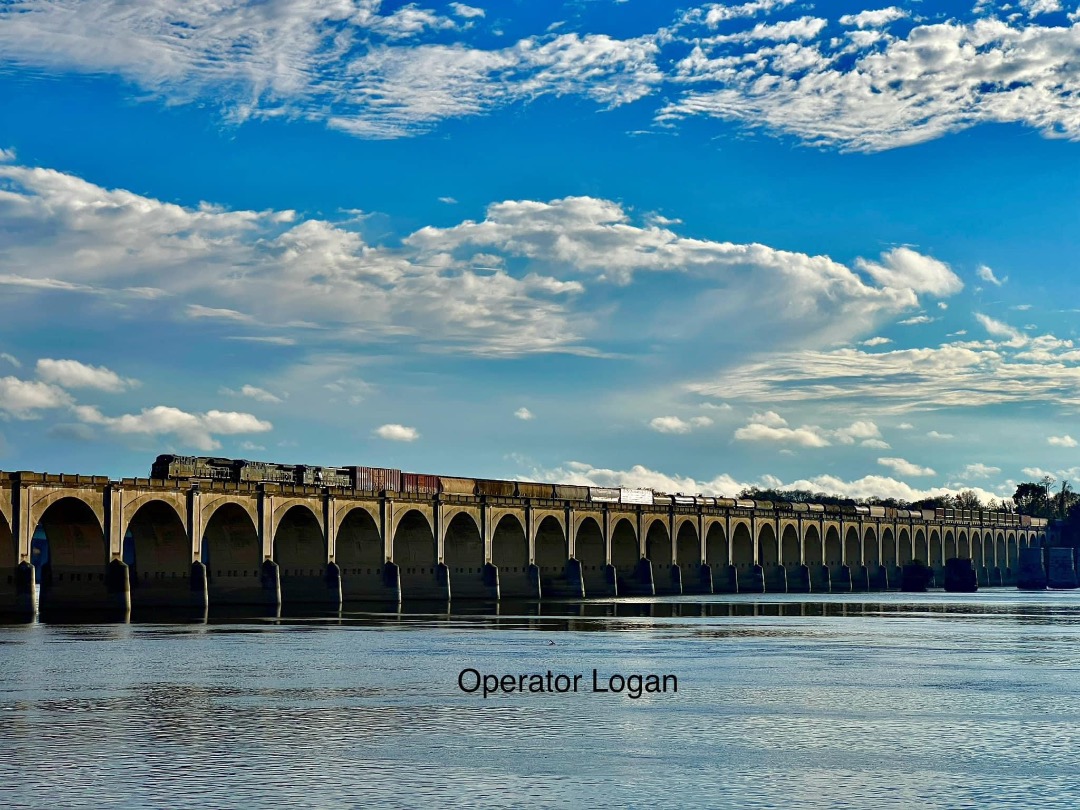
x=118 y=585
x=640 y=582
x=491 y=581
x=878 y=578
x=984 y=575
x=798 y=579
x=611 y=580
x=996 y=579
x=198 y=586
x=725 y=579
x=26 y=592
x=674 y=585
x=819 y=578
x=699 y=580
x=442 y=584
x=939 y=576
x=751 y=580
x=270 y=579
x=575 y=578
x=333 y=584
x=860 y=579
x=1008 y=576
x=391 y=582
x=840 y=579
x=775 y=579
x=536 y=590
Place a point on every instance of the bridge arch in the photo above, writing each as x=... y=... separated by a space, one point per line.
x=687 y=546
x=1001 y=559
x=624 y=548
x=870 y=549
x=658 y=548
x=232 y=552
x=989 y=560
x=904 y=547
x=70 y=551
x=551 y=548
x=768 y=547
x=360 y=554
x=415 y=551
x=790 y=547
x=963 y=550
x=834 y=550
x=950 y=544
x=590 y=550
x=853 y=548
x=157 y=550
x=922 y=547
x=937 y=550
x=888 y=548
x=813 y=552
x=301 y=552
x=510 y=554
x=717 y=553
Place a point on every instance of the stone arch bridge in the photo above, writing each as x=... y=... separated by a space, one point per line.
x=87 y=541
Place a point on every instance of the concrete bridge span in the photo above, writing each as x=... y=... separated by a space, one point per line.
x=87 y=541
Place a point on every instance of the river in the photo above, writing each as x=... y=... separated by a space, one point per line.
x=836 y=701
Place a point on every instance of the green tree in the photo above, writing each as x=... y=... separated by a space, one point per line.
x=1031 y=498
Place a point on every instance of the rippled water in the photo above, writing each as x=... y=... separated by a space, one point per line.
x=836 y=702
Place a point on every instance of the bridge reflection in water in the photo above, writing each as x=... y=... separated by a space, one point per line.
x=88 y=542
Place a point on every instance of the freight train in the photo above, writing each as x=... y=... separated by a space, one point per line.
x=381 y=479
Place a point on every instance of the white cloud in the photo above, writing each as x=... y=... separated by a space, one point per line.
x=7 y=155
x=715 y=406
x=879 y=444
x=873 y=90
x=199 y=311
x=979 y=470
x=21 y=398
x=194 y=429
x=933 y=434
x=916 y=320
x=397 y=433
x=875 y=341
x=1061 y=441
x=903 y=467
x=673 y=424
x=448 y=200
x=986 y=274
x=258 y=394
x=874 y=19
x=771 y=427
x=903 y=268
x=1000 y=329
x=1036 y=7
x=73 y=374
x=1036 y=473
x=524 y=414
x=10 y=358
x=862 y=429
x=905 y=426
x=469 y=12
x=961 y=374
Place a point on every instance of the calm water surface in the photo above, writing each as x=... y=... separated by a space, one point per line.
x=890 y=701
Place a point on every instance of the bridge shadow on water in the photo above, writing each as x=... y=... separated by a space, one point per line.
x=597 y=614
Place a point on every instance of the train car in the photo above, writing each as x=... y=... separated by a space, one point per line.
x=891 y=513
x=266 y=472
x=816 y=507
x=531 y=489
x=702 y=500
x=726 y=503
x=642 y=496
x=862 y=510
x=418 y=484
x=800 y=507
x=457 y=486
x=744 y=503
x=494 y=488
x=324 y=476
x=679 y=499
x=783 y=506
x=569 y=492
x=376 y=479
x=877 y=511
x=662 y=500
x=764 y=505
x=604 y=494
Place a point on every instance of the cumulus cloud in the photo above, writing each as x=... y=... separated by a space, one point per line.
x=397 y=433
x=674 y=424
x=545 y=286
x=73 y=374
x=524 y=414
x=875 y=341
x=258 y=394
x=870 y=486
x=23 y=398
x=1061 y=441
x=903 y=467
x=771 y=427
x=196 y=430
x=874 y=19
x=903 y=268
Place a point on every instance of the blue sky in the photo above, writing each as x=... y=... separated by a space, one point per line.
x=827 y=245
